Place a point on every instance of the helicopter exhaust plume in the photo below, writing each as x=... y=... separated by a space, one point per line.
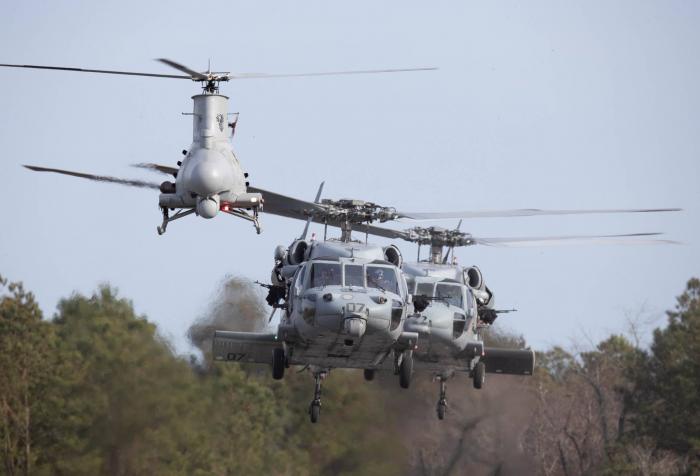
x=98 y=178
x=236 y=306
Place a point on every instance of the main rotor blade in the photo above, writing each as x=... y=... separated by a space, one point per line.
x=164 y=169
x=98 y=178
x=277 y=204
x=192 y=73
x=623 y=239
x=525 y=212
x=327 y=73
x=100 y=71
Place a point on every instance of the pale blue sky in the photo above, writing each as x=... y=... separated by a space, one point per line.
x=536 y=104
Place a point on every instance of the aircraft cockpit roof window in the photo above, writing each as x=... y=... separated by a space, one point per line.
x=382 y=277
x=325 y=274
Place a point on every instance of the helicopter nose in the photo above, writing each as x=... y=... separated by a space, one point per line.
x=206 y=179
x=355 y=326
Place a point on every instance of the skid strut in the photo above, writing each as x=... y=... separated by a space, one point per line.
x=167 y=219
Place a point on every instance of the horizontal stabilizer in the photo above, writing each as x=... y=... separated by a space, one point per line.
x=509 y=361
x=249 y=347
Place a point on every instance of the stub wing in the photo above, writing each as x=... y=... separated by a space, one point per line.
x=248 y=347
x=509 y=361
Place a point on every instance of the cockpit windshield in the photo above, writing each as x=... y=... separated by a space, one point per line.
x=382 y=277
x=354 y=275
x=450 y=293
x=325 y=274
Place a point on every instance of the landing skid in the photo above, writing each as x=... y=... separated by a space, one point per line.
x=237 y=212
x=167 y=219
x=184 y=212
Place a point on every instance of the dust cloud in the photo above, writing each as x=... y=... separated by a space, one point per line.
x=236 y=306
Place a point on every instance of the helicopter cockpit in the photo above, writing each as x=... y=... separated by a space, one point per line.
x=352 y=274
x=447 y=291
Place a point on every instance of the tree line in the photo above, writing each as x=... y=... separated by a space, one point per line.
x=96 y=390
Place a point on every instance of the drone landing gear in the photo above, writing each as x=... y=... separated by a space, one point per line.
x=167 y=219
x=442 y=400
x=237 y=212
x=315 y=407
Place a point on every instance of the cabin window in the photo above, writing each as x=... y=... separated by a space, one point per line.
x=450 y=293
x=325 y=274
x=383 y=278
x=424 y=289
x=354 y=275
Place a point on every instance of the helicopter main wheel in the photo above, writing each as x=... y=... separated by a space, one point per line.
x=279 y=362
x=405 y=371
x=369 y=374
x=479 y=375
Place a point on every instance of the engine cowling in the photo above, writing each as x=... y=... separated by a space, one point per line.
x=473 y=277
x=393 y=255
x=297 y=252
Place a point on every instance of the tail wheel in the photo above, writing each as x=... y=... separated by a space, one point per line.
x=479 y=375
x=441 y=408
x=314 y=412
x=279 y=362
x=369 y=374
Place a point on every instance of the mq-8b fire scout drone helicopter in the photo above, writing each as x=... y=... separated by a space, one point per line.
x=209 y=179
x=347 y=304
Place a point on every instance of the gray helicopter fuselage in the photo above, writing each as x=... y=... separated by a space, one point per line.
x=339 y=312
x=448 y=326
x=210 y=175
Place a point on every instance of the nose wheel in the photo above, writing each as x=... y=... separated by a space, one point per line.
x=315 y=407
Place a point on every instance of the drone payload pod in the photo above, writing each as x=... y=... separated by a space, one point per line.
x=209 y=179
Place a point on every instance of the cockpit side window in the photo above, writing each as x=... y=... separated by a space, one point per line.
x=451 y=293
x=424 y=289
x=382 y=277
x=354 y=275
x=325 y=274
x=299 y=278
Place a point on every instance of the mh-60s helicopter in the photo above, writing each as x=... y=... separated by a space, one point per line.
x=347 y=304
x=454 y=306
x=209 y=179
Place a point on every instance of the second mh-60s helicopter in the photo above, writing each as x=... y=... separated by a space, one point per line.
x=347 y=304
x=209 y=179
x=455 y=306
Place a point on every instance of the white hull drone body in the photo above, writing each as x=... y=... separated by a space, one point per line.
x=210 y=178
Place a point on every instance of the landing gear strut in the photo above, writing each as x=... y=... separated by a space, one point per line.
x=167 y=219
x=315 y=407
x=442 y=401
